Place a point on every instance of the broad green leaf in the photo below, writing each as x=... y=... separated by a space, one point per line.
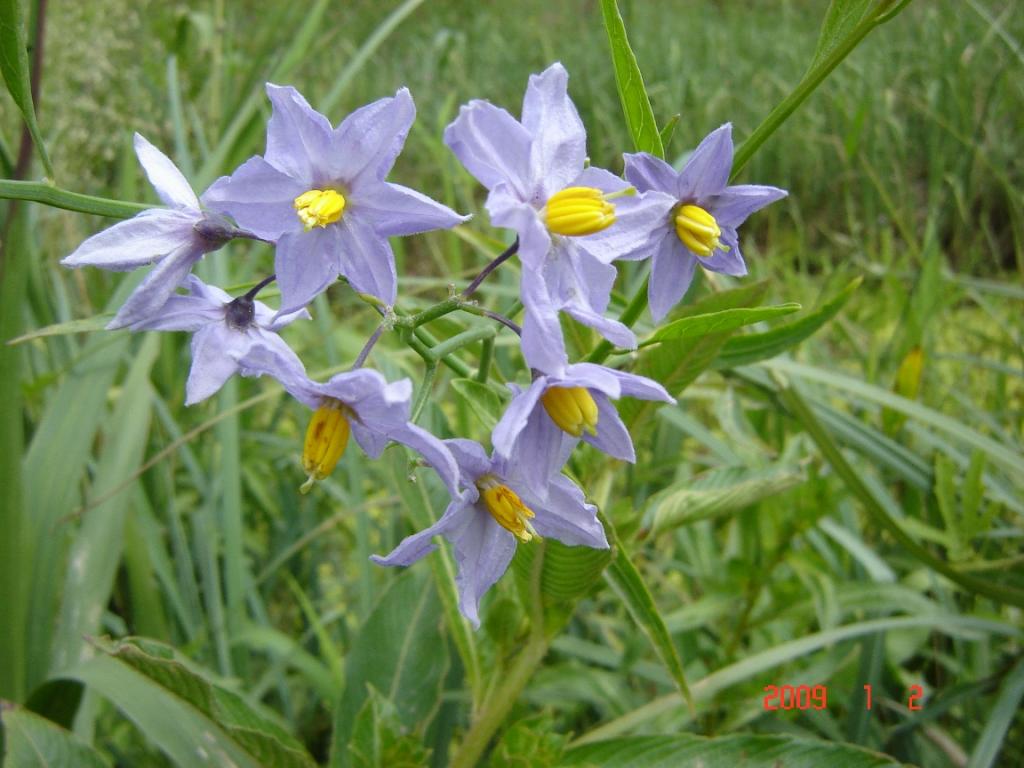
x=841 y=20
x=629 y=585
x=257 y=736
x=380 y=741
x=401 y=652
x=482 y=400
x=738 y=751
x=999 y=719
x=717 y=322
x=749 y=348
x=717 y=492
x=31 y=741
x=635 y=103
x=16 y=71
x=677 y=362
x=567 y=573
x=187 y=736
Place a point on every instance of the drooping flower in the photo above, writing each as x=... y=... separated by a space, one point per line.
x=361 y=403
x=319 y=193
x=571 y=404
x=226 y=333
x=174 y=238
x=701 y=225
x=501 y=506
x=572 y=221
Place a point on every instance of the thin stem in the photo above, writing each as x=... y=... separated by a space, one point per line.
x=421 y=397
x=480 y=311
x=251 y=293
x=40 y=192
x=431 y=313
x=505 y=256
x=461 y=340
x=486 y=358
x=365 y=351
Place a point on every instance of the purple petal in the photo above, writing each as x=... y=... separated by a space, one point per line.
x=639 y=223
x=565 y=515
x=483 y=550
x=592 y=376
x=559 y=147
x=167 y=180
x=612 y=436
x=436 y=454
x=506 y=210
x=365 y=145
x=618 y=334
x=649 y=173
x=397 y=210
x=640 y=387
x=728 y=262
x=298 y=137
x=513 y=420
x=267 y=353
x=305 y=264
x=493 y=146
x=211 y=367
x=736 y=203
x=182 y=313
x=259 y=197
x=707 y=171
x=137 y=241
x=671 y=274
x=471 y=458
x=419 y=544
x=542 y=343
x=153 y=292
x=540 y=452
x=366 y=259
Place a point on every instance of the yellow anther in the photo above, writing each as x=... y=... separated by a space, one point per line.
x=572 y=408
x=506 y=507
x=579 y=211
x=698 y=230
x=326 y=439
x=319 y=207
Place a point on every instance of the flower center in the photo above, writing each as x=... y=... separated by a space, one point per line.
x=698 y=230
x=319 y=207
x=326 y=439
x=580 y=211
x=506 y=507
x=572 y=408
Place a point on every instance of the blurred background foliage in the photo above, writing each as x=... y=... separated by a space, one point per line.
x=184 y=525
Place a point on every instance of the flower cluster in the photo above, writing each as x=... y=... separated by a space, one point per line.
x=319 y=195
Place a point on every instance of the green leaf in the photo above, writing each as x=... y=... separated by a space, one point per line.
x=533 y=741
x=401 y=652
x=677 y=362
x=717 y=492
x=70 y=201
x=717 y=322
x=841 y=20
x=629 y=585
x=739 y=751
x=567 y=573
x=378 y=739
x=998 y=721
x=482 y=400
x=749 y=348
x=31 y=741
x=635 y=103
x=669 y=129
x=258 y=737
x=17 y=74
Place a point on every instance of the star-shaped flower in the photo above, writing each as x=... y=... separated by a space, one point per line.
x=319 y=193
x=226 y=332
x=572 y=221
x=701 y=226
x=500 y=506
x=573 y=403
x=174 y=238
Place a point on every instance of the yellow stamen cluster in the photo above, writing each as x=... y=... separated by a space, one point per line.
x=572 y=408
x=326 y=439
x=578 y=211
x=319 y=207
x=506 y=507
x=698 y=230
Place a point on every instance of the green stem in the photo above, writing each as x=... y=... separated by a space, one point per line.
x=486 y=357
x=629 y=316
x=430 y=313
x=40 y=192
x=425 y=387
x=461 y=340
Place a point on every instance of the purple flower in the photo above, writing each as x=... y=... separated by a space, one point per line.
x=175 y=238
x=572 y=221
x=319 y=193
x=499 y=507
x=701 y=227
x=558 y=409
x=361 y=402
x=226 y=333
